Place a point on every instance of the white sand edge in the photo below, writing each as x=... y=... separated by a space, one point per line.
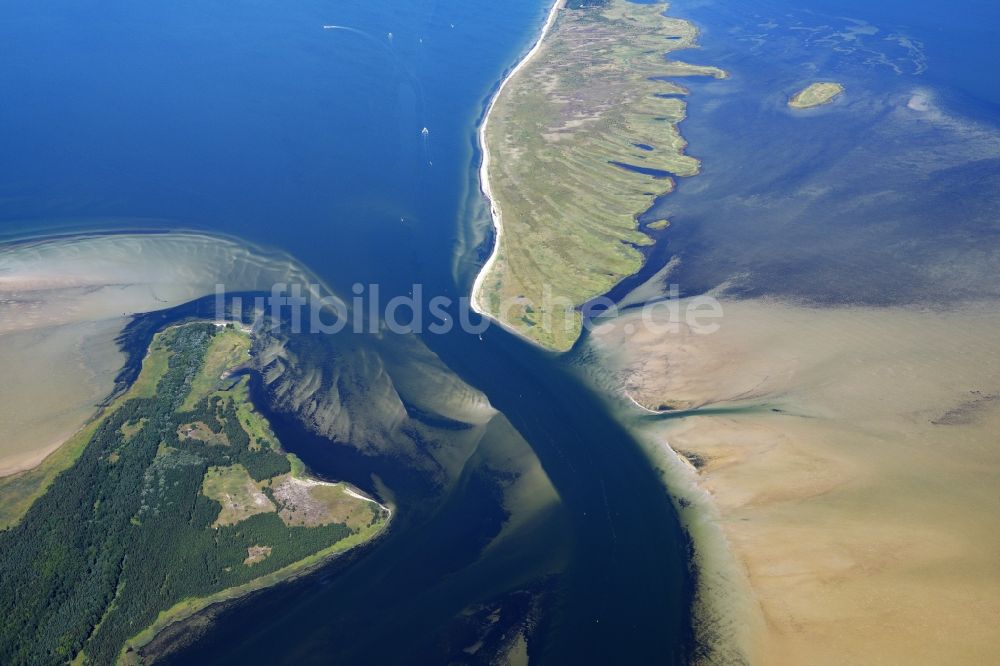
x=484 y=175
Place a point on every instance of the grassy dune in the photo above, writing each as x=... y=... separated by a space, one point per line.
x=232 y=487
x=557 y=137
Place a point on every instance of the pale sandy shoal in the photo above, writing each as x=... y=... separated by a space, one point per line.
x=63 y=301
x=865 y=513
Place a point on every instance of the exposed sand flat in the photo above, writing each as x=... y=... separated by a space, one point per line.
x=66 y=369
x=87 y=278
x=864 y=512
x=64 y=301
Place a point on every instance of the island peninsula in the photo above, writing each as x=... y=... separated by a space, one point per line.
x=581 y=139
x=180 y=494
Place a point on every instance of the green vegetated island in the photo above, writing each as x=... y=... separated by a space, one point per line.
x=579 y=141
x=180 y=496
x=816 y=94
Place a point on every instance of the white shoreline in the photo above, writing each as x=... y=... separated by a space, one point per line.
x=484 y=176
x=640 y=405
x=311 y=482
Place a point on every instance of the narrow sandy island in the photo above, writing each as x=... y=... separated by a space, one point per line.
x=579 y=140
x=851 y=461
x=484 y=167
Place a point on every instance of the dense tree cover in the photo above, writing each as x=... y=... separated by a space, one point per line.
x=126 y=532
x=220 y=417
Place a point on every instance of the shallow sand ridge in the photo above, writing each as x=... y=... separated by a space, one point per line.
x=62 y=303
x=851 y=460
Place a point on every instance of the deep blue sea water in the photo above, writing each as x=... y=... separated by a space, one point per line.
x=250 y=119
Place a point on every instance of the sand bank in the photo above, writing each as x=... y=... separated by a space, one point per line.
x=852 y=464
x=64 y=301
x=53 y=378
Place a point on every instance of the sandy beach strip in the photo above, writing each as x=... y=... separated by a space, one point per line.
x=484 y=167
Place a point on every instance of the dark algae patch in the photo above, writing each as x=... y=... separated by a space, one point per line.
x=968 y=411
x=697 y=461
x=127 y=531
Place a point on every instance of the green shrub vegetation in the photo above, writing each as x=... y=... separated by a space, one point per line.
x=125 y=532
x=565 y=138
